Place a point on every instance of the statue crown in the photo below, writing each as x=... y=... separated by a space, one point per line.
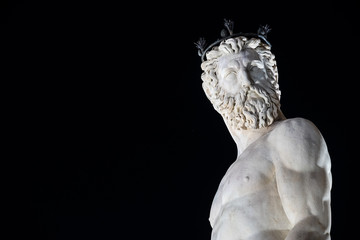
x=227 y=33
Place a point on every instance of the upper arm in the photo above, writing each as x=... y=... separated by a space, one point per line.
x=303 y=172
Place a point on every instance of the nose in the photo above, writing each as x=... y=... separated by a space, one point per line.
x=244 y=78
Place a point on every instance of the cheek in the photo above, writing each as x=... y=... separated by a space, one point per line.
x=258 y=76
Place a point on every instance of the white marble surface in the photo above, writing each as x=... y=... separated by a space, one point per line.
x=279 y=186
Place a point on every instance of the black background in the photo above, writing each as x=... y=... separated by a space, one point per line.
x=114 y=137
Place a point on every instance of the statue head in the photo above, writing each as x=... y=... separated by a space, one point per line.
x=240 y=79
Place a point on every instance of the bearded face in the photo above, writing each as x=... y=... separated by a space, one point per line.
x=242 y=89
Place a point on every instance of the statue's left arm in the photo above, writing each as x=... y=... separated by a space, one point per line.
x=304 y=179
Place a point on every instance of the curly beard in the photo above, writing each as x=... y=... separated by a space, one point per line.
x=252 y=108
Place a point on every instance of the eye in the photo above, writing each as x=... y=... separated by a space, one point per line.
x=256 y=70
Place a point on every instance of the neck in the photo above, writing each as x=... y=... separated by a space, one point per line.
x=244 y=137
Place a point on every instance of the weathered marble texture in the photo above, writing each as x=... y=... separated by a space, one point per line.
x=279 y=186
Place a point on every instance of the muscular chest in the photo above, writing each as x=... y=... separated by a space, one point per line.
x=249 y=174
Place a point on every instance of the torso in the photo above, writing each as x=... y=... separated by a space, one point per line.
x=247 y=205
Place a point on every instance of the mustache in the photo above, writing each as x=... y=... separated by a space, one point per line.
x=230 y=71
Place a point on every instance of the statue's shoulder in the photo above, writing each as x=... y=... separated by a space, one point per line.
x=297 y=128
x=301 y=141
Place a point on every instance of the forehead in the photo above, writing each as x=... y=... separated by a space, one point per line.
x=247 y=54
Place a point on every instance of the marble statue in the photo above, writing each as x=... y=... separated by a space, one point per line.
x=279 y=186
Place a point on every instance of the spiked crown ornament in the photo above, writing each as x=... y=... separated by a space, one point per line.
x=227 y=33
